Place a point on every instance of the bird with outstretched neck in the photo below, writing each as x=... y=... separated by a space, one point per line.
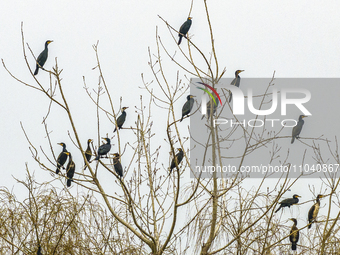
x=294 y=234
x=313 y=211
x=288 y=202
x=61 y=158
x=297 y=129
x=236 y=82
x=42 y=57
x=121 y=119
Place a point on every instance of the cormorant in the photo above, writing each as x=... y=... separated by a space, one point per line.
x=177 y=159
x=184 y=29
x=294 y=234
x=313 y=211
x=121 y=119
x=88 y=152
x=288 y=202
x=117 y=165
x=42 y=58
x=235 y=82
x=187 y=107
x=71 y=166
x=39 y=250
x=297 y=129
x=209 y=107
x=104 y=149
x=61 y=158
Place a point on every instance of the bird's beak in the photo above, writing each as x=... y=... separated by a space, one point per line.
x=298 y=196
x=193 y=96
x=304 y=116
x=241 y=71
x=50 y=42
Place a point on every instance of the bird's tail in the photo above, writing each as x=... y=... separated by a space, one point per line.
x=230 y=97
x=293 y=139
x=68 y=183
x=180 y=39
x=310 y=224
x=278 y=209
x=57 y=171
x=115 y=129
x=39 y=250
x=293 y=246
x=36 y=70
x=97 y=158
x=181 y=119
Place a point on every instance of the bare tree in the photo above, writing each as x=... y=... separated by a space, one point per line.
x=145 y=211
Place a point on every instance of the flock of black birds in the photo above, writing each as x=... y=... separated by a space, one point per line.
x=104 y=149
x=312 y=214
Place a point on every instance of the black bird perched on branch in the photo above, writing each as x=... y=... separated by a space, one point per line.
x=294 y=234
x=184 y=29
x=209 y=108
x=187 y=107
x=39 y=250
x=117 y=165
x=297 y=129
x=104 y=149
x=88 y=152
x=71 y=166
x=236 y=82
x=288 y=202
x=121 y=119
x=176 y=160
x=314 y=210
x=61 y=158
x=42 y=58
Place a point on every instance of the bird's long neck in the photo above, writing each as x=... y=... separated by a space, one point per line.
x=64 y=147
x=318 y=201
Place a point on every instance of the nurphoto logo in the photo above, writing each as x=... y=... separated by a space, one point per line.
x=239 y=100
